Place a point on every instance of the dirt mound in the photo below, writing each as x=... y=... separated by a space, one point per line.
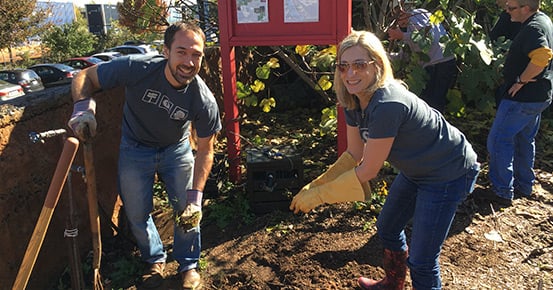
x=332 y=246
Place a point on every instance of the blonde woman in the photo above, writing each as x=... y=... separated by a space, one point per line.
x=438 y=167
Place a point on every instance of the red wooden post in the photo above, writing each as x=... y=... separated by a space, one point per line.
x=329 y=25
x=232 y=126
x=343 y=31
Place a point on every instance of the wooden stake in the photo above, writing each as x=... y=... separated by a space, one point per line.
x=52 y=197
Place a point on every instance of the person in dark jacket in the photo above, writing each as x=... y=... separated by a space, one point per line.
x=528 y=77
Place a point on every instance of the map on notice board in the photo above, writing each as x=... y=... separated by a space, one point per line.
x=252 y=11
x=301 y=11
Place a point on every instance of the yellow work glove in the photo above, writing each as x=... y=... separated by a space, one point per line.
x=345 y=187
x=343 y=164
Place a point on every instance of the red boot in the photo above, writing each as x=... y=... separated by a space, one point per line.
x=394 y=264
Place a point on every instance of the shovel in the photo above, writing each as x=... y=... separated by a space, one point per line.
x=52 y=197
x=93 y=212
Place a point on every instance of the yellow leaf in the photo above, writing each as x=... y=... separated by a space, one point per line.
x=273 y=63
x=437 y=17
x=302 y=49
x=330 y=50
x=325 y=83
x=267 y=104
x=257 y=86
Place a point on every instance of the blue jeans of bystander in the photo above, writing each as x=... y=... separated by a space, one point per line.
x=511 y=147
x=174 y=164
x=431 y=207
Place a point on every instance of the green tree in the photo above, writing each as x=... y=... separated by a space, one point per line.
x=116 y=35
x=150 y=17
x=143 y=15
x=69 y=40
x=18 y=24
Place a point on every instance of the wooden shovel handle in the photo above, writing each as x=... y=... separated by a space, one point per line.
x=92 y=203
x=56 y=185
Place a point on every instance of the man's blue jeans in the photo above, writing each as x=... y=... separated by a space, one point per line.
x=511 y=147
x=174 y=164
x=431 y=207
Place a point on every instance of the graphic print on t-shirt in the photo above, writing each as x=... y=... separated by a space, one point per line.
x=162 y=101
x=364 y=132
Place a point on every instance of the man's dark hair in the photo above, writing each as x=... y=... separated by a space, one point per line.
x=169 y=36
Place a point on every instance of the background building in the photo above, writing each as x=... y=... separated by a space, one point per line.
x=60 y=13
x=100 y=17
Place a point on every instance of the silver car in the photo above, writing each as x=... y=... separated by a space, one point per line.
x=26 y=78
x=10 y=91
x=53 y=74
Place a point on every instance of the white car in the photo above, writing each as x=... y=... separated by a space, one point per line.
x=108 y=55
x=134 y=49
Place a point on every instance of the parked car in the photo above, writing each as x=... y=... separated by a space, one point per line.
x=26 y=78
x=10 y=91
x=133 y=42
x=82 y=62
x=55 y=73
x=134 y=49
x=107 y=56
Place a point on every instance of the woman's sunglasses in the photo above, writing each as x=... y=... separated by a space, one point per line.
x=358 y=65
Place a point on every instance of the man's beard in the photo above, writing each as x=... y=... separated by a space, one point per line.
x=181 y=77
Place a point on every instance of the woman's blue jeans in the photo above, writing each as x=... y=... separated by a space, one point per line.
x=138 y=165
x=511 y=147
x=431 y=207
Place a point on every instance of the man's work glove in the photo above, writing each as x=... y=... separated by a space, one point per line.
x=82 y=118
x=343 y=164
x=192 y=214
x=345 y=187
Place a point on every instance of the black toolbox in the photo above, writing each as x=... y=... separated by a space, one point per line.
x=274 y=175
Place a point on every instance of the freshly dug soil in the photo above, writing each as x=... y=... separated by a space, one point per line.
x=330 y=247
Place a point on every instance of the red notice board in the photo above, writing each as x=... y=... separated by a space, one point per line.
x=285 y=22
x=273 y=23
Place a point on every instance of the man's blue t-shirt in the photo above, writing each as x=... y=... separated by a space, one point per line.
x=155 y=113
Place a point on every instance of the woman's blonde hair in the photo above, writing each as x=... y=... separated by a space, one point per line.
x=376 y=52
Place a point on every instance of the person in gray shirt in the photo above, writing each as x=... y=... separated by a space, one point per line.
x=441 y=68
x=437 y=165
x=163 y=96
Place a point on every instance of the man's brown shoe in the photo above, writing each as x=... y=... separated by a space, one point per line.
x=153 y=276
x=191 y=280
